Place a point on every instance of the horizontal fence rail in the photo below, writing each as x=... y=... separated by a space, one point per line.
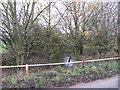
x=96 y=60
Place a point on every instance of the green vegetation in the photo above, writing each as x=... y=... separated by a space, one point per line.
x=36 y=32
x=49 y=34
x=61 y=76
x=2 y=47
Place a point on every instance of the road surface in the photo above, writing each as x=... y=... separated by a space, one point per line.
x=111 y=82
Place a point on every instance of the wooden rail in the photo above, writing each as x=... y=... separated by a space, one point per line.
x=84 y=61
x=96 y=60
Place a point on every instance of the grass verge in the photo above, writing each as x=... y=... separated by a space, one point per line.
x=61 y=76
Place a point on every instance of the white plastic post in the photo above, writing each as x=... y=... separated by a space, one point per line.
x=27 y=69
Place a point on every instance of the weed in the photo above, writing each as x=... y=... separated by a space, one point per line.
x=58 y=76
x=91 y=76
x=36 y=84
x=51 y=73
x=13 y=80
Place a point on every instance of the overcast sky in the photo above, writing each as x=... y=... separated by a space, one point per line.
x=44 y=2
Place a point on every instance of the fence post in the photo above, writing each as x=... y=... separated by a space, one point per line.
x=26 y=69
x=83 y=64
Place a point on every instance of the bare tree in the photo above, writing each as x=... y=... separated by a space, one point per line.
x=119 y=28
x=17 y=26
x=74 y=20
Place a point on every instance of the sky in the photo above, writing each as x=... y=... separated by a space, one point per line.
x=44 y=2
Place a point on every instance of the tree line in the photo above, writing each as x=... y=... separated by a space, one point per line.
x=58 y=29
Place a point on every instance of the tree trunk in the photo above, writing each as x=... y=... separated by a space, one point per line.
x=119 y=28
x=81 y=49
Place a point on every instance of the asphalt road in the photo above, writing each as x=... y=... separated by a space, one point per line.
x=111 y=82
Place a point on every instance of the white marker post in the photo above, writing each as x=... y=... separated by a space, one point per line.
x=27 y=69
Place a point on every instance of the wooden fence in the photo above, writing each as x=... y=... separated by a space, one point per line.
x=84 y=61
